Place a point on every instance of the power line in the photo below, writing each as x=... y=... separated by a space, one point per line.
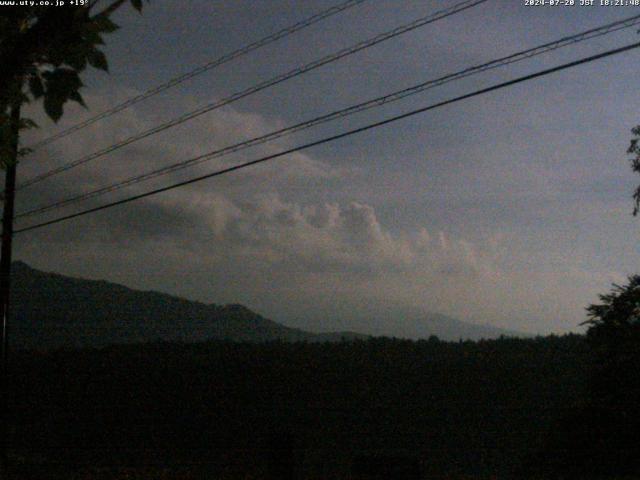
x=395 y=96
x=261 y=86
x=201 y=69
x=337 y=136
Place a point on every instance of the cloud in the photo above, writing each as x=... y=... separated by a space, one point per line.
x=319 y=236
x=479 y=227
x=210 y=132
x=328 y=237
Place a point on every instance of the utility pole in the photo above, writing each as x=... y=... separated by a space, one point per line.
x=5 y=281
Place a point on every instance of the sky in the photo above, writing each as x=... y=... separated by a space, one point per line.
x=512 y=209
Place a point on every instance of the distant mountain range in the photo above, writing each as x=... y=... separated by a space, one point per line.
x=49 y=310
x=414 y=323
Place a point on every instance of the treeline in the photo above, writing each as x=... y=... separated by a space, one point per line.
x=472 y=408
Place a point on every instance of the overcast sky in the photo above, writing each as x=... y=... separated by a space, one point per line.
x=512 y=209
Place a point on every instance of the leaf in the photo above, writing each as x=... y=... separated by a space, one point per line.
x=62 y=80
x=137 y=4
x=104 y=24
x=53 y=107
x=92 y=37
x=98 y=59
x=76 y=97
x=77 y=58
x=62 y=85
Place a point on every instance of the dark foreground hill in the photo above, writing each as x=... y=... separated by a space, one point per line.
x=51 y=310
x=374 y=409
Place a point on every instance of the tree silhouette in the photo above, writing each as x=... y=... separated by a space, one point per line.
x=43 y=51
x=634 y=148
x=599 y=437
x=614 y=335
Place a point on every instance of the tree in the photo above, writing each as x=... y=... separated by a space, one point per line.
x=43 y=51
x=46 y=48
x=634 y=148
x=598 y=436
x=614 y=396
x=604 y=431
x=614 y=336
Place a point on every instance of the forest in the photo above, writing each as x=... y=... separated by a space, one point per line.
x=376 y=408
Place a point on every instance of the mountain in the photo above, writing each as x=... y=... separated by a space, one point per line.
x=395 y=320
x=49 y=310
x=415 y=324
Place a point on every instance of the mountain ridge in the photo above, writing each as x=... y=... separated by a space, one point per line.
x=51 y=310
